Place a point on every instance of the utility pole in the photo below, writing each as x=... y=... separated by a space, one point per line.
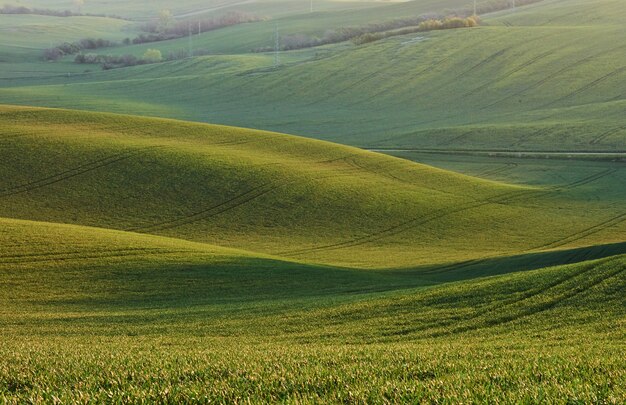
x=474 y=8
x=190 y=40
x=199 y=27
x=311 y=5
x=276 y=46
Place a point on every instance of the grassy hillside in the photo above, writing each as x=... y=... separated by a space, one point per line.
x=153 y=260
x=120 y=316
x=26 y=36
x=282 y=195
x=130 y=313
x=141 y=10
x=247 y=37
x=23 y=39
x=499 y=86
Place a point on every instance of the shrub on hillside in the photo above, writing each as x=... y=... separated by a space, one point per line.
x=72 y=48
x=430 y=25
x=52 y=54
x=453 y=22
x=8 y=9
x=152 y=56
x=166 y=28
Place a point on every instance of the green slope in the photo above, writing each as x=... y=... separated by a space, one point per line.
x=143 y=10
x=76 y=267
x=282 y=195
x=499 y=86
x=49 y=268
x=247 y=37
x=120 y=316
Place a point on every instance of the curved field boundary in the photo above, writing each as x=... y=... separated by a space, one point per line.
x=575 y=285
x=73 y=172
x=231 y=203
x=557 y=291
x=587 y=86
x=610 y=132
x=552 y=76
x=504 y=168
x=209 y=212
x=611 y=222
x=82 y=255
x=512 y=196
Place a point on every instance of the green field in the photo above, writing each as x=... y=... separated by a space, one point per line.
x=157 y=260
x=430 y=218
x=505 y=85
x=377 y=211
x=143 y=11
x=97 y=315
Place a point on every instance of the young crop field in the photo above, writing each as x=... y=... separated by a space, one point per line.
x=504 y=85
x=433 y=217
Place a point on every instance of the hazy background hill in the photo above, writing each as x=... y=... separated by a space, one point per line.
x=541 y=77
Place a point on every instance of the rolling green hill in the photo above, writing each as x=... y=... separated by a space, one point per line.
x=505 y=85
x=282 y=195
x=155 y=260
x=474 y=252
x=142 y=10
x=122 y=316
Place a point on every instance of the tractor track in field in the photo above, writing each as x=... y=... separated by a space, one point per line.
x=604 y=135
x=350 y=86
x=609 y=223
x=488 y=60
x=585 y=180
x=497 y=170
x=574 y=285
x=391 y=231
x=209 y=212
x=386 y=172
x=70 y=173
x=587 y=86
x=551 y=76
x=82 y=255
x=485 y=310
x=418 y=73
x=509 y=197
x=232 y=203
x=91 y=166
x=511 y=72
x=383 y=172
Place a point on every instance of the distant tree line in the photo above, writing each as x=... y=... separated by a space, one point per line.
x=457 y=18
x=7 y=9
x=117 y=61
x=166 y=27
x=72 y=48
x=299 y=41
x=428 y=25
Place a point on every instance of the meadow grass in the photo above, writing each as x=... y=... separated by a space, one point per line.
x=149 y=10
x=163 y=329
x=499 y=86
x=150 y=260
x=266 y=311
x=288 y=196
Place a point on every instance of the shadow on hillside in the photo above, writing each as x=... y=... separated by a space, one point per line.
x=509 y=264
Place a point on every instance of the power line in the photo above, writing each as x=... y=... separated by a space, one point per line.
x=276 y=46
x=190 y=41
